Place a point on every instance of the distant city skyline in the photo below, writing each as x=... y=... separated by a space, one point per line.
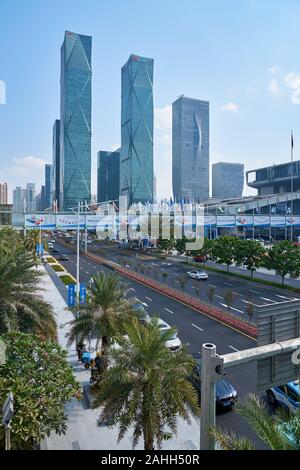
x=247 y=69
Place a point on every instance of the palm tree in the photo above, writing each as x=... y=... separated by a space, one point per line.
x=31 y=240
x=21 y=307
x=147 y=386
x=273 y=430
x=9 y=238
x=103 y=314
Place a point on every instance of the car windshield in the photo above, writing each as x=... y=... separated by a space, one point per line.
x=173 y=335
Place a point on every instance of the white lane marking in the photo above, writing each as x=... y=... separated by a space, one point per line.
x=284 y=297
x=198 y=327
x=87 y=272
x=168 y=310
x=236 y=293
x=219 y=296
x=155 y=264
x=268 y=300
x=228 y=284
x=212 y=285
x=232 y=308
x=148 y=298
x=231 y=347
x=133 y=289
x=255 y=291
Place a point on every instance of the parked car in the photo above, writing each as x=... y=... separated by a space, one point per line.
x=199 y=275
x=174 y=343
x=63 y=257
x=226 y=394
x=201 y=258
x=287 y=396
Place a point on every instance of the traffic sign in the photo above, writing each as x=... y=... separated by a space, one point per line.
x=71 y=295
x=82 y=294
x=39 y=248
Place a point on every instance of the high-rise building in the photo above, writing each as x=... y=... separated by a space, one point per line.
x=19 y=198
x=227 y=180
x=75 y=120
x=108 y=176
x=30 y=198
x=3 y=193
x=47 y=197
x=56 y=163
x=190 y=149
x=136 y=156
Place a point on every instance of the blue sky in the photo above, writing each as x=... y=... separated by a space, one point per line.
x=241 y=55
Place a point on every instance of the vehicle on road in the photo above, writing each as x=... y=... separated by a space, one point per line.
x=50 y=245
x=201 y=258
x=287 y=396
x=55 y=250
x=174 y=343
x=226 y=394
x=199 y=275
x=139 y=308
x=63 y=257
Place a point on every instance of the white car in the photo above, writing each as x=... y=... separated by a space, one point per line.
x=199 y=275
x=174 y=343
x=50 y=245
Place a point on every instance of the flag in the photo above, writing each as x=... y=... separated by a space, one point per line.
x=292 y=140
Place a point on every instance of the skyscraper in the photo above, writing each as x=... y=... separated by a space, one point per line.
x=19 y=197
x=56 y=163
x=136 y=156
x=190 y=149
x=108 y=176
x=227 y=180
x=75 y=120
x=30 y=198
x=47 y=196
x=3 y=193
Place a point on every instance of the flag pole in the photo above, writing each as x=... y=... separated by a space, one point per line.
x=292 y=184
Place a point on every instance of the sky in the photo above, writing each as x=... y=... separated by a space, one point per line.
x=240 y=55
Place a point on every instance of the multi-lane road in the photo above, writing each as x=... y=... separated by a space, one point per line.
x=194 y=329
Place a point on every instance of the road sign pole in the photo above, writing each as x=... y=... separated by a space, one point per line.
x=208 y=397
x=7 y=437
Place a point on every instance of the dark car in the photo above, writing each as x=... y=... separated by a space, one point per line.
x=63 y=257
x=226 y=394
x=55 y=250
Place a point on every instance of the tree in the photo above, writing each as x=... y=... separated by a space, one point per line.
x=9 y=239
x=21 y=306
x=166 y=244
x=147 y=386
x=273 y=430
x=103 y=315
x=211 y=291
x=228 y=297
x=284 y=257
x=42 y=382
x=224 y=250
x=205 y=251
x=251 y=254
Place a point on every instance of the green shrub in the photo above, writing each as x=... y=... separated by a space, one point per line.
x=57 y=267
x=66 y=279
x=51 y=260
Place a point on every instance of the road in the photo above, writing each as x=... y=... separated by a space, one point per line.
x=194 y=329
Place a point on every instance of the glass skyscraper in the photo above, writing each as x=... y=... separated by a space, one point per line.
x=136 y=156
x=47 y=197
x=108 y=176
x=227 y=180
x=75 y=120
x=190 y=149
x=56 y=163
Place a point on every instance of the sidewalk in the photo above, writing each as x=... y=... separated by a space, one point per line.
x=83 y=432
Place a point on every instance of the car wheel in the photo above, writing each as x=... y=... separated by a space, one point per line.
x=271 y=397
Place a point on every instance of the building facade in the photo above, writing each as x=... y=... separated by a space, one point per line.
x=275 y=179
x=227 y=180
x=190 y=149
x=30 y=198
x=48 y=186
x=108 y=176
x=19 y=198
x=3 y=193
x=56 y=164
x=136 y=155
x=75 y=120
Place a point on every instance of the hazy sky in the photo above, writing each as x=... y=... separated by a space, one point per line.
x=240 y=55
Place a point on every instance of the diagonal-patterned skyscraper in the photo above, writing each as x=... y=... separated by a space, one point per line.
x=75 y=120
x=136 y=156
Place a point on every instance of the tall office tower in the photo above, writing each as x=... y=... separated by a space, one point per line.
x=3 y=193
x=227 y=180
x=154 y=188
x=136 y=156
x=30 y=198
x=47 y=197
x=75 y=120
x=19 y=198
x=56 y=164
x=108 y=176
x=190 y=149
